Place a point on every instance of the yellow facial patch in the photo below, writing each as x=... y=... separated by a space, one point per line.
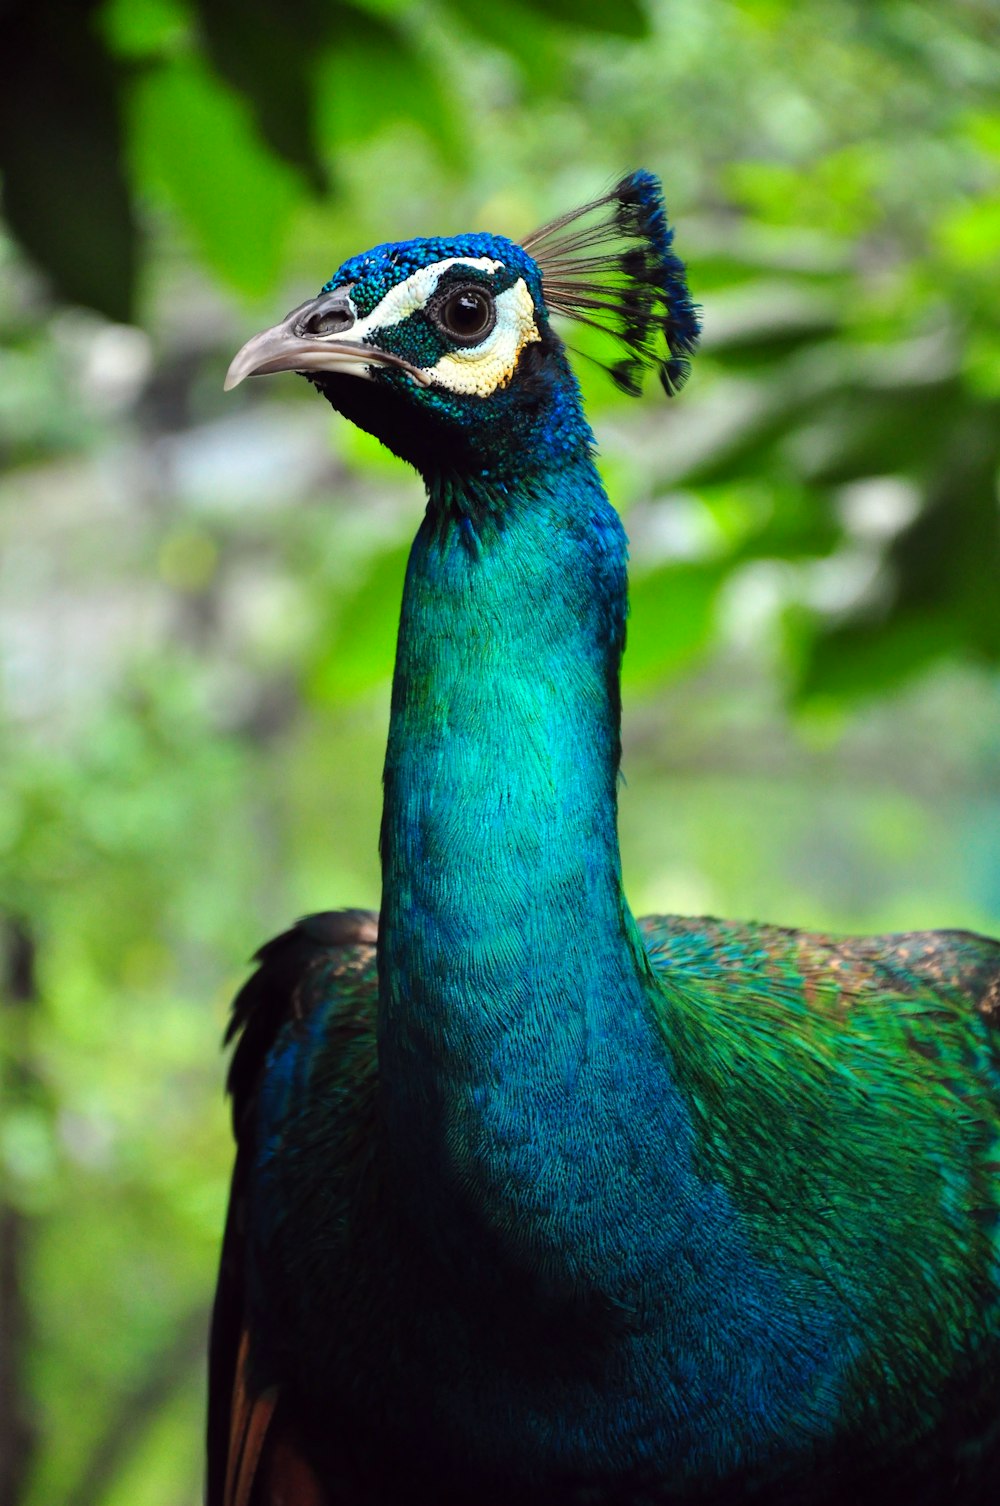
x=480 y=370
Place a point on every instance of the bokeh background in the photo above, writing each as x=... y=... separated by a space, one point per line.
x=200 y=592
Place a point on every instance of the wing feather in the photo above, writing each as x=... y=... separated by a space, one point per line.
x=252 y=1456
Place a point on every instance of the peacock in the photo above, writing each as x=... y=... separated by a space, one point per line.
x=535 y=1202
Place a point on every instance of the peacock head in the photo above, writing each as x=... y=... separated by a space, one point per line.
x=444 y=349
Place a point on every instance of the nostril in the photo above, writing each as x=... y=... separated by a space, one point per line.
x=333 y=322
x=332 y=316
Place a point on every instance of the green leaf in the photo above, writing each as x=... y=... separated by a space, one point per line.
x=625 y=18
x=373 y=77
x=65 y=193
x=147 y=30
x=358 y=653
x=524 y=35
x=268 y=53
x=871 y=431
x=860 y=658
x=194 y=144
x=941 y=597
x=671 y=615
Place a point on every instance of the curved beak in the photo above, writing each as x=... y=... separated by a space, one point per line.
x=290 y=346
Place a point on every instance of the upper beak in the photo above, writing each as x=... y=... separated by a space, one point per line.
x=290 y=346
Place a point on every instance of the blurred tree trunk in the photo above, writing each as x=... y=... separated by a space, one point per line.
x=18 y=996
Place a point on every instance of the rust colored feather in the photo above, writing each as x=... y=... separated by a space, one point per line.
x=288 y=1479
x=250 y=1419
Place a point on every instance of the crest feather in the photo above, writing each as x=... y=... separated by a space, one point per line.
x=610 y=264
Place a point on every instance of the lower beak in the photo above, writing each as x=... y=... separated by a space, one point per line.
x=283 y=349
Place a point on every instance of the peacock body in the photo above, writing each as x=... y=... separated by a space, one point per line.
x=534 y=1202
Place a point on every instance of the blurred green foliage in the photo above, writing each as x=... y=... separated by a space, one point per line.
x=200 y=594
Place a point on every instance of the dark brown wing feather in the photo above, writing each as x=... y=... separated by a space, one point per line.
x=252 y=1456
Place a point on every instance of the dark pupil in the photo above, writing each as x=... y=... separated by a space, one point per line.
x=467 y=313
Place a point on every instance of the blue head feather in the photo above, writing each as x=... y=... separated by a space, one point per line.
x=533 y=416
x=374 y=272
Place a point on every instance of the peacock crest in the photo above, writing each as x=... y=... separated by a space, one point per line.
x=610 y=264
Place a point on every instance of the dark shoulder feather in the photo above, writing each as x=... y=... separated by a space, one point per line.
x=284 y=988
x=295 y=972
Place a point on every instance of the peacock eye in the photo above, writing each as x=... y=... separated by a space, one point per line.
x=466 y=315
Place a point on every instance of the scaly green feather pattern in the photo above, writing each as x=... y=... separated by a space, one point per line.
x=846 y=1093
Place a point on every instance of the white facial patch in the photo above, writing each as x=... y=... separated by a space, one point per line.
x=480 y=369
x=477 y=370
x=411 y=296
